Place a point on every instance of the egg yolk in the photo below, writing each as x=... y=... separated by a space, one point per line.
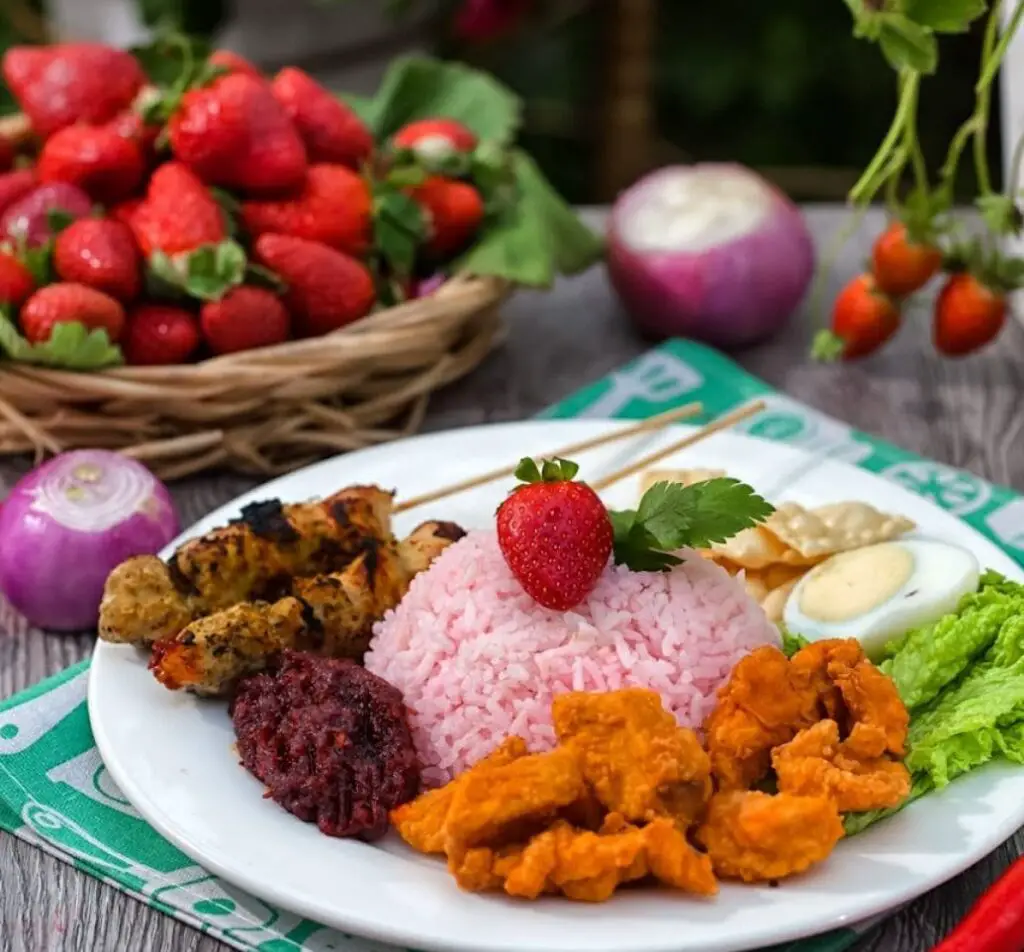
x=853 y=583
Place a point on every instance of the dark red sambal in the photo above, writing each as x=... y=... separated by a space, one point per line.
x=329 y=740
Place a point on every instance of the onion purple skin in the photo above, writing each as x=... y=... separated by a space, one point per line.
x=732 y=295
x=28 y=216
x=54 y=574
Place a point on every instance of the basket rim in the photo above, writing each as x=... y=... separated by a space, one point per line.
x=470 y=292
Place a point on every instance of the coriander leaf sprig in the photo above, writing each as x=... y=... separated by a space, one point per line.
x=672 y=516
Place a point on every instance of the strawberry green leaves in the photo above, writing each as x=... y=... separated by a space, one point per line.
x=207 y=273
x=549 y=471
x=944 y=16
x=399 y=229
x=70 y=347
x=672 y=516
x=529 y=233
x=419 y=87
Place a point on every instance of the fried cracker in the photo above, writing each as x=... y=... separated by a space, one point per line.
x=837 y=527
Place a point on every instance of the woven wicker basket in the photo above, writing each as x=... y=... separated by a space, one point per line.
x=262 y=411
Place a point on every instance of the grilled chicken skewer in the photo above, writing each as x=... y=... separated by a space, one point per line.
x=146 y=599
x=329 y=614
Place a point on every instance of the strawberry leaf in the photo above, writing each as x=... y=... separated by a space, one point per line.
x=70 y=347
x=907 y=45
x=39 y=261
x=399 y=229
x=207 y=273
x=944 y=16
x=827 y=347
x=420 y=87
x=58 y=219
x=264 y=277
x=528 y=471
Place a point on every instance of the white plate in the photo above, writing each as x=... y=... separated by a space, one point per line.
x=173 y=757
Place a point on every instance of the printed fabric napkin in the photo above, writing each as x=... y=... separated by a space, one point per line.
x=56 y=794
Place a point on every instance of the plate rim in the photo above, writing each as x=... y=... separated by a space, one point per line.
x=393 y=933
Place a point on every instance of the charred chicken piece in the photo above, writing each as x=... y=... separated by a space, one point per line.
x=253 y=558
x=330 y=615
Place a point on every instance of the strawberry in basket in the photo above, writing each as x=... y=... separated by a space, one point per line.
x=220 y=210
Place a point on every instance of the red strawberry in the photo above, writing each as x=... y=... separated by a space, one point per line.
x=435 y=138
x=331 y=130
x=158 y=334
x=61 y=303
x=454 y=210
x=326 y=288
x=130 y=125
x=555 y=534
x=234 y=133
x=16 y=281
x=7 y=153
x=95 y=158
x=124 y=211
x=178 y=213
x=15 y=185
x=233 y=63
x=244 y=319
x=71 y=82
x=968 y=315
x=101 y=254
x=334 y=208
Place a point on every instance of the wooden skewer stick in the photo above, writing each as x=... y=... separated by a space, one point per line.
x=722 y=423
x=644 y=426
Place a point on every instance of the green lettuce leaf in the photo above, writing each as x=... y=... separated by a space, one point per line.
x=855 y=823
x=963 y=680
x=929 y=658
x=791 y=643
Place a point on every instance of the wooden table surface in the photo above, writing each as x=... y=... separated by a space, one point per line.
x=968 y=413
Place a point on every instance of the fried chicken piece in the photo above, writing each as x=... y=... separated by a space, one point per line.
x=637 y=759
x=253 y=558
x=332 y=615
x=810 y=669
x=422 y=823
x=856 y=694
x=510 y=803
x=817 y=764
x=761 y=706
x=588 y=866
x=872 y=702
x=757 y=837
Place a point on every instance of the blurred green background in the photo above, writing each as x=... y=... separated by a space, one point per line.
x=781 y=86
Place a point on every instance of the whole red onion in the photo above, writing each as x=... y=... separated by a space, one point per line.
x=29 y=216
x=712 y=252
x=67 y=524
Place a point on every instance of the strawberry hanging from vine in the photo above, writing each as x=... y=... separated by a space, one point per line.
x=925 y=237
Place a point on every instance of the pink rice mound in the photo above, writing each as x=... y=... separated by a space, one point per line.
x=477 y=659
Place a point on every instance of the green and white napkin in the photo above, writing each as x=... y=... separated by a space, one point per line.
x=56 y=794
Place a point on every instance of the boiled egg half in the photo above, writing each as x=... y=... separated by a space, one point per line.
x=878 y=592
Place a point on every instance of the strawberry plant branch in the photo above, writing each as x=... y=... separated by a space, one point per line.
x=983 y=92
x=879 y=169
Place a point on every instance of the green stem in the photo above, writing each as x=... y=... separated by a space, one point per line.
x=913 y=144
x=869 y=183
x=1018 y=156
x=991 y=67
x=984 y=98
